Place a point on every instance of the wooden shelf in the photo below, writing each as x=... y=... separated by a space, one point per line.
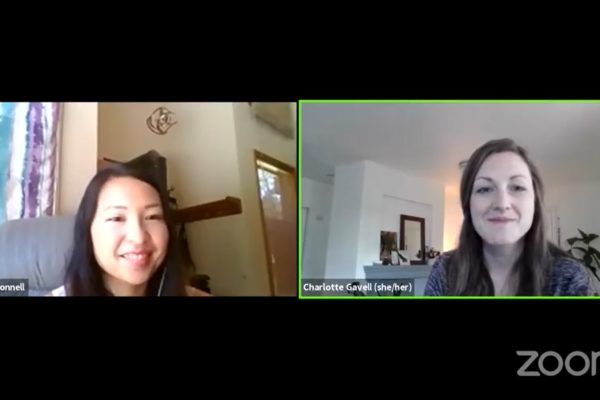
x=215 y=209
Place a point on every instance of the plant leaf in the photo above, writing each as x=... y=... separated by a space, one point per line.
x=597 y=259
x=596 y=255
x=594 y=251
x=583 y=235
x=592 y=237
x=573 y=240
x=587 y=259
x=583 y=250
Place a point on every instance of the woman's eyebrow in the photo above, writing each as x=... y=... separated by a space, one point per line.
x=153 y=205
x=512 y=177
x=117 y=207
x=518 y=176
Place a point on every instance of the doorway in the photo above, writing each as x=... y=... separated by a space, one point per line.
x=279 y=215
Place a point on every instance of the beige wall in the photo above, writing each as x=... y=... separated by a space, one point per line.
x=202 y=165
x=122 y=131
x=210 y=155
x=253 y=134
x=453 y=217
x=78 y=153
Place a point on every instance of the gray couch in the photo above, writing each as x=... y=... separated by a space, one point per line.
x=36 y=249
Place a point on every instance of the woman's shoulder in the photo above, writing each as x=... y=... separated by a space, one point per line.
x=443 y=258
x=58 y=292
x=567 y=268
x=569 y=278
x=190 y=291
x=441 y=263
x=194 y=292
x=437 y=283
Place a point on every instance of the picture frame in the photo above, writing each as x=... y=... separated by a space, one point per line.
x=387 y=241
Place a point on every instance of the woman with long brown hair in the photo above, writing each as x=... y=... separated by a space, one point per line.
x=503 y=248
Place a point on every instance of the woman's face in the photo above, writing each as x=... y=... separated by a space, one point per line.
x=503 y=199
x=129 y=234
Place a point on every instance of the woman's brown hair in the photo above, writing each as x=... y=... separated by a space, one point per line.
x=467 y=274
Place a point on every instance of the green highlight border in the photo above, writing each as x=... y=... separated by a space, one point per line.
x=299 y=233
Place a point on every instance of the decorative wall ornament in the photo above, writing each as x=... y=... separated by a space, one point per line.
x=161 y=120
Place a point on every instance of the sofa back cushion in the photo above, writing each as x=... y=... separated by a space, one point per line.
x=37 y=249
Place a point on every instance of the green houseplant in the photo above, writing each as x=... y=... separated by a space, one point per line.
x=581 y=249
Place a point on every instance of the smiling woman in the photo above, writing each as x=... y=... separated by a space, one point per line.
x=124 y=239
x=503 y=249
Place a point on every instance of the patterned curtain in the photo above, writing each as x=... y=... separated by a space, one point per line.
x=28 y=159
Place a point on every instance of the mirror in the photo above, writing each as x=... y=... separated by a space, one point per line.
x=412 y=238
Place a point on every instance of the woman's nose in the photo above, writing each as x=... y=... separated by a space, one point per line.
x=501 y=200
x=136 y=231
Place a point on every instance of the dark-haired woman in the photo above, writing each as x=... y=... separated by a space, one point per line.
x=124 y=240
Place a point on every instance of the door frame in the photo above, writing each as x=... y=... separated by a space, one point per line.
x=260 y=156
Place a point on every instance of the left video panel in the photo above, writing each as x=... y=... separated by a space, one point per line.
x=147 y=199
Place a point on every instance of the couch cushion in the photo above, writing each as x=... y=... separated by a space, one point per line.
x=37 y=249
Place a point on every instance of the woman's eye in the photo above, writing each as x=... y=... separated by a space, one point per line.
x=483 y=190
x=115 y=219
x=519 y=188
x=155 y=217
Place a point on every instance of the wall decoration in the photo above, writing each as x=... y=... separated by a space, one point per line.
x=29 y=136
x=161 y=120
x=388 y=241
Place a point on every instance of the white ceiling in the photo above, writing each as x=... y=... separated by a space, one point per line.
x=430 y=139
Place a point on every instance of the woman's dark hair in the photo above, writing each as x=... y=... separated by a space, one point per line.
x=467 y=274
x=84 y=275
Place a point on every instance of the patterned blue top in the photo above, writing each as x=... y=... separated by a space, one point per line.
x=569 y=278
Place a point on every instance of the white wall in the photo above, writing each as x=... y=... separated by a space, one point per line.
x=381 y=181
x=356 y=214
x=78 y=153
x=252 y=134
x=453 y=217
x=316 y=196
x=202 y=161
x=344 y=227
x=576 y=206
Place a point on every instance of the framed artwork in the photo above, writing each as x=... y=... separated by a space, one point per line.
x=387 y=242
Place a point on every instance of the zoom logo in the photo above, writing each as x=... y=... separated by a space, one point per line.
x=550 y=363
